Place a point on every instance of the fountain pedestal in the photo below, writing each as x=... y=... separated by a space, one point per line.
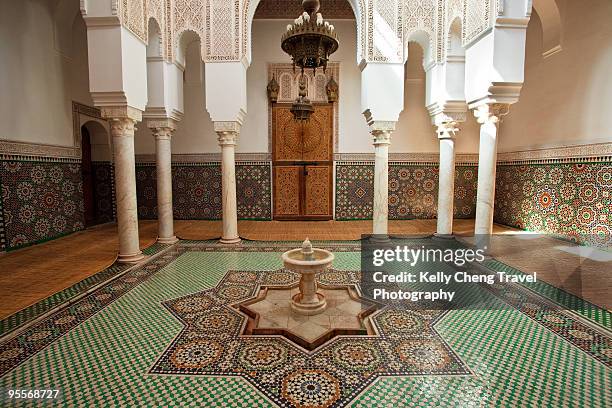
x=308 y=261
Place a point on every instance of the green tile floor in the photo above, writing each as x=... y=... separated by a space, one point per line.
x=105 y=360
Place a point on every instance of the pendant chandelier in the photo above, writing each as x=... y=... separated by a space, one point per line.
x=309 y=41
x=302 y=108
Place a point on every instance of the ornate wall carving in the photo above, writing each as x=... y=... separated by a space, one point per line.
x=288 y=81
x=187 y=15
x=288 y=89
x=383 y=26
x=222 y=36
x=385 y=33
x=476 y=17
x=422 y=15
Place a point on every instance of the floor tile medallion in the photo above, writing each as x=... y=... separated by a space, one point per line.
x=211 y=343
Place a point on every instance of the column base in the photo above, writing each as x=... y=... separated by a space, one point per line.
x=169 y=241
x=229 y=241
x=380 y=238
x=131 y=258
x=443 y=236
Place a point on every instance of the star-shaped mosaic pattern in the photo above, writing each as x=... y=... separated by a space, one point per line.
x=212 y=343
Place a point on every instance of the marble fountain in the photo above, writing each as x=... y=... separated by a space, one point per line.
x=308 y=313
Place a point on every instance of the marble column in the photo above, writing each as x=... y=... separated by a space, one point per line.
x=488 y=116
x=446 y=186
x=122 y=132
x=162 y=131
x=381 y=134
x=227 y=133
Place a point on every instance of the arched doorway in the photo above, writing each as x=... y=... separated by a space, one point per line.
x=87 y=178
x=92 y=134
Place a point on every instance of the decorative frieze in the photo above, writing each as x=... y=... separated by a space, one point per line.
x=405 y=158
x=597 y=152
x=199 y=158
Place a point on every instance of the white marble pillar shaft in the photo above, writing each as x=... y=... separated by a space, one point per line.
x=227 y=141
x=446 y=186
x=488 y=117
x=122 y=131
x=163 y=158
x=382 y=140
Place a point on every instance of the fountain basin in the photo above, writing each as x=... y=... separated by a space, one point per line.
x=308 y=261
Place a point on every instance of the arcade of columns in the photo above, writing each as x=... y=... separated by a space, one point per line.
x=474 y=57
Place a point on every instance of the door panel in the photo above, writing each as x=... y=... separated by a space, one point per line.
x=302 y=160
x=287 y=136
x=318 y=135
x=318 y=190
x=287 y=191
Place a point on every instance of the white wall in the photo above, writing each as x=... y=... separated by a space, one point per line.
x=39 y=78
x=567 y=97
x=195 y=133
x=414 y=132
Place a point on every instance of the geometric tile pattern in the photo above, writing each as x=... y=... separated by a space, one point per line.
x=105 y=359
x=40 y=200
x=573 y=200
x=197 y=191
x=103 y=191
x=565 y=299
x=210 y=344
x=413 y=191
x=28 y=314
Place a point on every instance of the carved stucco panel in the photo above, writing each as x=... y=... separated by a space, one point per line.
x=187 y=15
x=385 y=33
x=223 y=30
x=422 y=15
x=134 y=17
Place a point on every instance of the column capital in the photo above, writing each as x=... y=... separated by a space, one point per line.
x=122 y=127
x=162 y=128
x=121 y=112
x=491 y=112
x=231 y=126
x=381 y=137
x=381 y=132
x=227 y=138
x=447 y=130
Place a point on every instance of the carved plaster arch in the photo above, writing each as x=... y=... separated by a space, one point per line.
x=155 y=45
x=183 y=39
x=424 y=39
x=454 y=46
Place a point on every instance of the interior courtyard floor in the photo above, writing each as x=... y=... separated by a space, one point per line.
x=55 y=265
x=167 y=333
x=50 y=267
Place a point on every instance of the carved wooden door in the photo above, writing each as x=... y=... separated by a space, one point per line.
x=302 y=158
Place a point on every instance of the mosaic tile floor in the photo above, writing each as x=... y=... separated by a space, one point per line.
x=114 y=347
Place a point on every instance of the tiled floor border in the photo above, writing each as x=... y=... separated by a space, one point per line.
x=71 y=314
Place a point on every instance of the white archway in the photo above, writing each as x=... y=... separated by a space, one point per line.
x=248 y=14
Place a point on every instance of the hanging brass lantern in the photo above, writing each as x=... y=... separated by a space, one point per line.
x=302 y=108
x=310 y=40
